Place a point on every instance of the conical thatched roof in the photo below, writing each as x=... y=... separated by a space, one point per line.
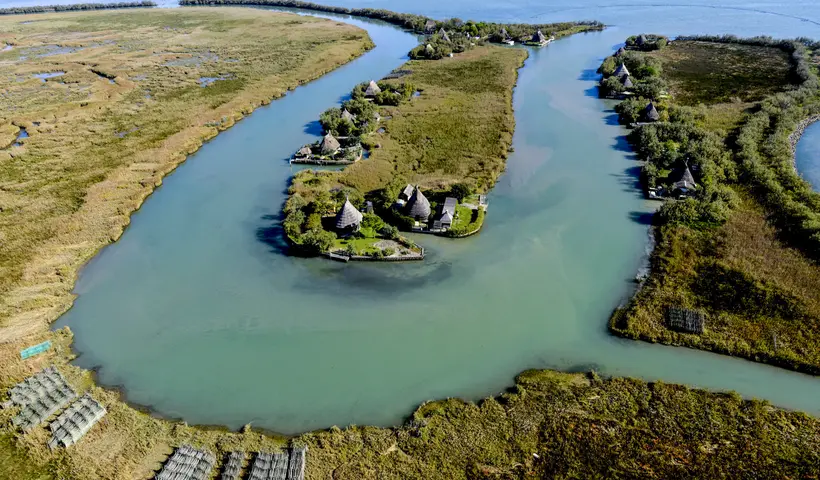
x=372 y=89
x=418 y=206
x=651 y=113
x=686 y=179
x=443 y=34
x=620 y=52
x=329 y=145
x=348 y=216
x=621 y=70
x=641 y=40
x=626 y=82
x=348 y=116
x=504 y=34
x=539 y=37
x=304 y=151
x=430 y=26
x=429 y=48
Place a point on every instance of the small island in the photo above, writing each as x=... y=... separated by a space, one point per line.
x=405 y=171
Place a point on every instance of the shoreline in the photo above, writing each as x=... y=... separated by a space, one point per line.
x=797 y=134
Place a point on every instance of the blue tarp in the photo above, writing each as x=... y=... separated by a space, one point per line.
x=37 y=349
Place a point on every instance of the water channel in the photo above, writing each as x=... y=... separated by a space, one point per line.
x=807 y=155
x=196 y=313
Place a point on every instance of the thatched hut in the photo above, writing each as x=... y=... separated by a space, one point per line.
x=348 y=116
x=329 y=145
x=348 y=217
x=641 y=40
x=685 y=184
x=443 y=34
x=621 y=51
x=372 y=89
x=621 y=71
x=418 y=206
x=626 y=82
x=504 y=35
x=430 y=26
x=304 y=152
x=650 y=113
x=539 y=38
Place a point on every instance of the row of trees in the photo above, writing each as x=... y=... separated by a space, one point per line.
x=766 y=158
x=647 y=42
x=419 y=23
x=74 y=7
x=437 y=47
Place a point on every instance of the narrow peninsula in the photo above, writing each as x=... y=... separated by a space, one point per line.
x=734 y=267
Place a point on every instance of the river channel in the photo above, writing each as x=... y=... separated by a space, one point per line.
x=196 y=313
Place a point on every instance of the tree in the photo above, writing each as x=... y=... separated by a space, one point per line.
x=314 y=222
x=318 y=241
x=460 y=191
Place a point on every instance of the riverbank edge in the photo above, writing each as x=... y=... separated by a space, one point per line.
x=683 y=340
x=39 y=328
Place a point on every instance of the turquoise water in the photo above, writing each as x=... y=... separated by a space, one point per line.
x=807 y=155
x=196 y=313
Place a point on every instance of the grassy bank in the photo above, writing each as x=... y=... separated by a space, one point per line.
x=125 y=104
x=740 y=250
x=555 y=425
x=456 y=131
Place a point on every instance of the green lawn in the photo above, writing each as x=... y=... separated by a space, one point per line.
x=464 y=216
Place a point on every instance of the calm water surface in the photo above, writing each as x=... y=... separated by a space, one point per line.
x=807 y=155
x=196 y=312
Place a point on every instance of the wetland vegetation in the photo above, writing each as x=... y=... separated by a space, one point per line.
x=127 y=110
x=740 y=248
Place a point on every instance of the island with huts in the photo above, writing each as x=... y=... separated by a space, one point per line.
x=734 y=261
x=408 y=173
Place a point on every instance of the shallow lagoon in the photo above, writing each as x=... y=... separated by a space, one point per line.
x=197 y=313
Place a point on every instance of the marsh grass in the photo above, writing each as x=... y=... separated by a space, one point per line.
x=459 y=129
x=96 y=149
x=557 y=425
x=710 y=73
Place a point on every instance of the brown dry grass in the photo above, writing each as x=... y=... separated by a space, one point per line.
x=96 y=150
x=747 y=244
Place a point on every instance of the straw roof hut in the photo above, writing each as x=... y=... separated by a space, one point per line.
x=651 y=113
x=348 y=217
x=621 y=71
x=620 y=52
x=304 y=151
x=539 y=38
x=626 y=82
x=641 y=40
x=372 y=89
x=418 y=207
x=686 y=181
x=505 y=35
x=443 y=34
x=430 y=26
x=329 y=145
x=348 y=116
